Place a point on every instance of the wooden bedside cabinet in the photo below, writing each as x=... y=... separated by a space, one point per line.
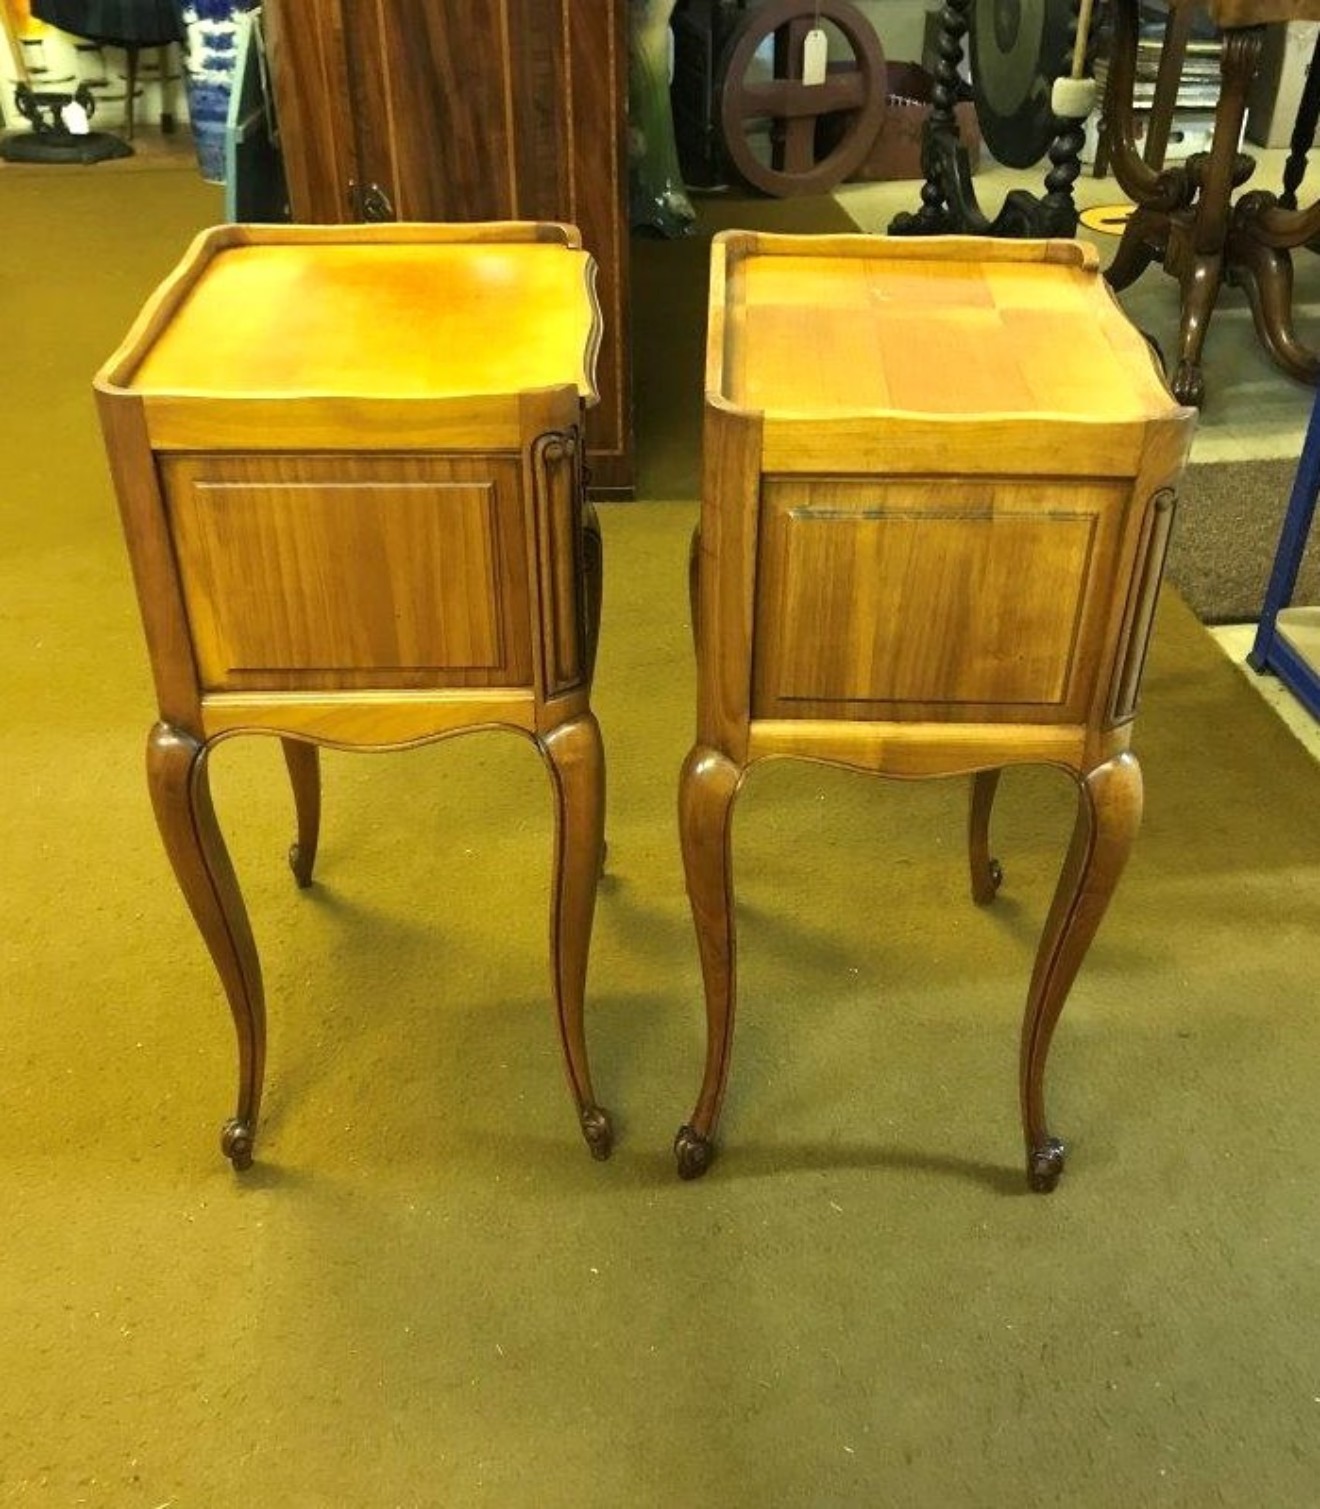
x=937 y=494
x=349 y=465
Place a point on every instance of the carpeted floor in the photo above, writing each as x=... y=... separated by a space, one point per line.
x=425 y=1293
x=1230 y=514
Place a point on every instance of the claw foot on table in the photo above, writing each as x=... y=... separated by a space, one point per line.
x=1188 y=384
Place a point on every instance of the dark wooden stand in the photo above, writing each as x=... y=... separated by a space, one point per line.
x=1186 y=218
x=948 y=198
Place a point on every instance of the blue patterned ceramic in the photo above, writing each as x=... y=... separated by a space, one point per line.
x=211 y=27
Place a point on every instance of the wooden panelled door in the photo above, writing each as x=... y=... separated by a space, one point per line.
x=469 y=110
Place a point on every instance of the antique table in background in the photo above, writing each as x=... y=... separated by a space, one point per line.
x=349 y=465
x=1186 y=217
x=937 y=493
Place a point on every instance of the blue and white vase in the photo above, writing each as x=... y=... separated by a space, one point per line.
x=212 y=28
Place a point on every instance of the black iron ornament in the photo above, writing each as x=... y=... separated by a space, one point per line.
x=51 y=139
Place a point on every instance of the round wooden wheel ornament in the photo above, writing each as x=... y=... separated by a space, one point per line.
x=793 y=107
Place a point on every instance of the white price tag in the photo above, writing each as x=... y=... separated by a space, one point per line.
x=75 y=119
x=815 y=56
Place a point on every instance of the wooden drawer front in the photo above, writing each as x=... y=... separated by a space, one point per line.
x=973 y=600
x=310 y=572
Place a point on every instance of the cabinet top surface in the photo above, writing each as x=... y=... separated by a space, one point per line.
x=836 y=326
x=375 y=319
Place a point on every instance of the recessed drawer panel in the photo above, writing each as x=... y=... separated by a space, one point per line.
x=348 y=572
x=932 y=599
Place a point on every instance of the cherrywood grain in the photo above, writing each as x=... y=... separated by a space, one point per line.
x=921 y=749
x=312 y=572
x=937 y=486
x=707 y=788
x=725 y=552
x=575 y=759
x=837 y=326
x=371 y=719
x=181 y=798
x=151 y=556
x=1108 y=817
x=1008 y=579
x=368 y=534
x=986 y=873
x=431 y=309
x=303 y=762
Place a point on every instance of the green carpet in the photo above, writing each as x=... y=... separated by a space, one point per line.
x=425 y=1293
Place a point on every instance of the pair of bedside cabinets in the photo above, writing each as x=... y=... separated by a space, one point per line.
x=938 y=485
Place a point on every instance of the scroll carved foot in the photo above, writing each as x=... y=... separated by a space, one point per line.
x=1045 y=1165
x=301 y=865
x=598 y=1132
x=693 y=1152
x=236 y=1142
x=986 y=872
x=304 y=765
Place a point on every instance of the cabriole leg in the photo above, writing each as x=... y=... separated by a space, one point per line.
x=304 y=764
x=180 y=794
x=576 y=761
x=707 y=788
x=1108 y=816
x=987 y=872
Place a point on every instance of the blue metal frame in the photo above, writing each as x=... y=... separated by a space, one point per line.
x=1271 y=652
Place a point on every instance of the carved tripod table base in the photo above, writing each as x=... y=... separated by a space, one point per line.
x=1186 y=218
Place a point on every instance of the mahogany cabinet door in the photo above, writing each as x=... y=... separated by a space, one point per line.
x=470 y=110
x=309 y=68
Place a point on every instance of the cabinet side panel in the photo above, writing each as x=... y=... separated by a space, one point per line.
x=959 y=600
x=302 y=572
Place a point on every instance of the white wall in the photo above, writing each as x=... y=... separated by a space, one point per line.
x=57 y=63
x=899 y=24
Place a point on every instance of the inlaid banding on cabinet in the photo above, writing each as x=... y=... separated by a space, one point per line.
x=973 y=596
